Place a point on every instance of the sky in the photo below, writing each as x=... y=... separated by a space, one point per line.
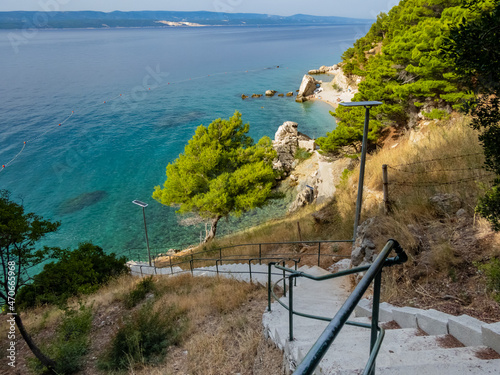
x=350 y=8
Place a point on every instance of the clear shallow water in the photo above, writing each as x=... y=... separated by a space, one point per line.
x=171 y=81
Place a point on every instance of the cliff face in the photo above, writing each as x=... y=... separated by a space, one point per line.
x=342 y=81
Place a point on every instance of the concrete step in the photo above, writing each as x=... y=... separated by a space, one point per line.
x=334 y=362
x=457 y=368
x=353 y=339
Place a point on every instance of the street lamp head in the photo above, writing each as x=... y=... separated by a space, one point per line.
x=361 y=104
x=139 y=203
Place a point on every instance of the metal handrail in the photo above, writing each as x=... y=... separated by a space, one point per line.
x=192 y=269
x=220 y=249
x=373 y=273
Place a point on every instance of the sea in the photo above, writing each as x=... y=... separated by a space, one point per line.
x=89 y=119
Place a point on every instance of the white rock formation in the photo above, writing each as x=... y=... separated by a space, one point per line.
x=286 y=142
x=307 y=88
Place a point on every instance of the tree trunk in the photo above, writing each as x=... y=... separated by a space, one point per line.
x=47 y=362
x=213 y=229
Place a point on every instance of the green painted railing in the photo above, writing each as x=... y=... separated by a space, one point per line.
x=373 y=273
x=258 y=252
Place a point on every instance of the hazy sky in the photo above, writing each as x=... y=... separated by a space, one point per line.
x=349 y=8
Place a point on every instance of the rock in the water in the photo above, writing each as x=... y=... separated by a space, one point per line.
x=289 y=93
x=286 y=143
x=270 y=92
x=82 y=201
x=244 y=96
x=446 y=204
x=307 y=87
x=281 y=95
x=256 y=95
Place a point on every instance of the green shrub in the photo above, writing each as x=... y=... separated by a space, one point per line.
x=336 y=87
x=489 y=207
x=436 y=114
x=80 y=271
x=145 y=337
x=70 y=344
x=302 y=154
x=140 y=291
x=492 y=272
x=344 y=178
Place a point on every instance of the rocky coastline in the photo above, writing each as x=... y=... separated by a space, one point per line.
x=339 y=89
x=315 y=178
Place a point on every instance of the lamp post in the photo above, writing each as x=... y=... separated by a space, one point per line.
x=367 y=106
x=144 y=205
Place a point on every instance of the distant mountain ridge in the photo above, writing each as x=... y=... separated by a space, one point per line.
x=92 y=19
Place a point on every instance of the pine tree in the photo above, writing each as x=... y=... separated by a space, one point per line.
x=221 y=172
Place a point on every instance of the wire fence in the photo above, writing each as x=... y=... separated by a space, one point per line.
x=473 y=173
x=440 y=159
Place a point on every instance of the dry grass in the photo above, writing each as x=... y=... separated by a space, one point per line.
x=111 y=292
x=225 y=329
x=443 y=248
x=41 y=318
x=223 y=337
x=445 y=143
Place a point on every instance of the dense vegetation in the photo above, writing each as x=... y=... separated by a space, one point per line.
x=472 y=46
x=401 y=63
x=79 y=271
x=221 y=172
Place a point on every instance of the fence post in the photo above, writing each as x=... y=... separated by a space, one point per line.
x=284 y=280
x=319 y=253
x=171 y=269
x=375 y=314
x=269 y=282
x=298 y=230
x=260 y=254
x=290 y=310
x=385 y=179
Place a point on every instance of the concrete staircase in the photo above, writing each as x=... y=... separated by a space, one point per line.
x=421 y=342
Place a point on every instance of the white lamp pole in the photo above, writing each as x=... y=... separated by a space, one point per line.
x=144 y=205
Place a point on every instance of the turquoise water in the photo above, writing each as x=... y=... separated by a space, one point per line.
x=87 y=171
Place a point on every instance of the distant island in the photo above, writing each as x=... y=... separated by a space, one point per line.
x=91 y=19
